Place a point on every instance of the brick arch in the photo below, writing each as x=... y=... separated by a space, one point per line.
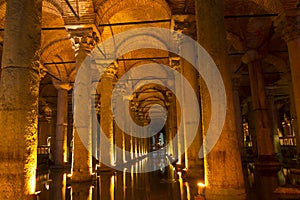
x=108 y=9
x=273 y=6
x=53 y=6
x=58 y=50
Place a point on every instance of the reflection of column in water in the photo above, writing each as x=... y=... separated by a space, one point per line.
x=188 y=194
x=148 y=189
x=128 y=183
x=124 y=184
x=81 y=191
x=266 y=183
x=58 y=185
x=112 y=187
x=180 y=185
x=106 y=189
x=132 y=181
x=119 y=186
x=184 y=188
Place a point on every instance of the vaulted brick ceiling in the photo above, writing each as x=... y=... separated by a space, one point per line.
x=243 y=31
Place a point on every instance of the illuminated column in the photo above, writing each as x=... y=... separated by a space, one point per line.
x=264 y=136
x=119 y=134
x=58 y=185
x=19 y=92
x=171 y=121
x=288 y=23
x=127 y=140
x=193 y=162
x=82 y=191
x=175 y=63
x=107 y=186
x=223 y=168
x=106 y=118
x=84 y=40
x=60 y=157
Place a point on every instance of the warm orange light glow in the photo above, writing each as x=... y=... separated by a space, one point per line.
x=32 y=183
x=201 y=187
x=200 y=184
x=112 y=187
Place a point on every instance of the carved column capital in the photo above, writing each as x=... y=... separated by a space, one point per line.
x=175 y=63
x=111 y=71
x=62 y=85
x=43 y=70
x=185 y=24
x=251 y=56
x=288 y=23
x=83 y=38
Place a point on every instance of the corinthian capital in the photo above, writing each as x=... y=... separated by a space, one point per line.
x=83 y=38
x=110 y=70
x=288 y=23
x=175 y=63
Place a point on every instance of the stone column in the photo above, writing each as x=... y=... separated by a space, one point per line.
x=273 y=115
x=106 y=118
x=19 y=92
x=186 y=25
x=223 y=168
x=238 y=116
x=264 y=136
x=194 y=163
x=172 y=121
x=251 y=126
x=119 y=134
x=288 y=22
x=58 y=184
x=60 y=157
x=84 y=40
x=175 y=63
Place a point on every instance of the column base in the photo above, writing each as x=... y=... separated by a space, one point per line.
x=104 y=168
x=60 y=167
x=196 y=170
x=83 y=179
x=267 y=164
x=287 y=192
x=225 y=194
x=82 y=176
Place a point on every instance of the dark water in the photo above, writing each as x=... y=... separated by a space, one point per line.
x=165 y=184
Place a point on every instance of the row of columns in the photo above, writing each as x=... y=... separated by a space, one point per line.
x=19 y=157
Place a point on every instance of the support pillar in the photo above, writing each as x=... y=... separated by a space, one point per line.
x=60 y=157
x=223 y=168
x=264 y=137
x=193 y=163
x=175 y=63
x=19 y=92
x=106 y=118
x=288 y=23
x=119 y=133
x=84 y=40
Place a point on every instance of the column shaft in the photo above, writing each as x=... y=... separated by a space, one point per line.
x=19 y=92
x=294 y=52
x=61 y=128
x=106 y=120
x=82 y=150
x=223 y=169
x=262 y=125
